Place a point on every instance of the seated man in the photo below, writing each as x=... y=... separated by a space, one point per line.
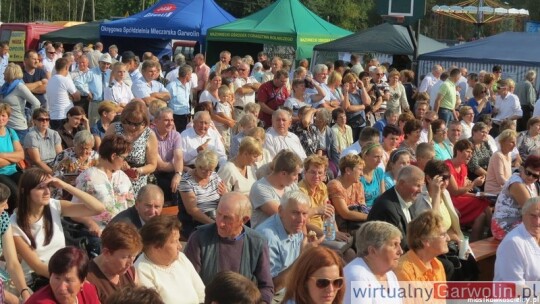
x=393 y=205
x=199 y=138
x=237 y=247
x=147 y=88
x=149 y=203
x=279 y=138
x=284 y=233
x=368 y=134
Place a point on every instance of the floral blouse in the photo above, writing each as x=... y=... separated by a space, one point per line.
x=116 y=194
x=309 y=137
x=480 y=159
x=67 y=167
x=527 y=144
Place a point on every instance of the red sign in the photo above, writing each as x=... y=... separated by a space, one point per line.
x=165 y=8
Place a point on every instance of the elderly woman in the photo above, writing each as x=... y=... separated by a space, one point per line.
x=76 y=121
x=118 y=91
x=42 y=144
x=68 y=268
x=316 y=278
x=398 y=159
x=342 y=132
x=11 y=152
x=516 y=191
x=479 y=103
x=500 y=163
x=442 y=147
x=142 y=159
x=355 y=100
x=398 y=96
x=246 y=123
x=411 y=130
x=347 y=194
x=299 y=98
x=427 y=239
x=373 y=178
x=37 y=227
x=529 y=141
x=107 y=111
x=327 y=140
x=517 y=254
x=473 y=210
x=16 y=94
x=238 y=174
x=466 y=114
x=164 y=267
x=113 y=269
x=479 y=162
x=200 y=190
x=378 y=248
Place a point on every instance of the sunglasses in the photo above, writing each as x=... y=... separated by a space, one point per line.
x=323 y=283
x=501 y=88
x=51 y=52
x=135 y=124
x=532 y=174
x=43 y=119
x=445 y=177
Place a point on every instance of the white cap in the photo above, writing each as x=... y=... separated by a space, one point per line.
x=105 y=58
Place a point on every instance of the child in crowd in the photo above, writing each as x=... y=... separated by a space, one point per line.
x=223 y=111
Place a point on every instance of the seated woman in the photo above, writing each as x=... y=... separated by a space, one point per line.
x=307 y=133
x=427 y=239
x=518 y=252
x=346 y=193
x=262 y=164
x=441 y=145
x=516 y=191
x=246 y=123
x=466 y=114
x=479 y=161
x=7 y=246
x=500 y=163
x=37 y=228
x=473 y=210
x=42 y=144
x=342 y=132
x=238 y=174
x=76 y=121
x=373 y=178
x=316 y=277
x=113 y=269
x=355 y=101
x=67 y=269
x=11 y=152
x=529 y=141
x=164 y=267
x=412 y=130
x=398 y=159
x=378 y=248
x=107 y=111
x=479 y=102
x=200 y=190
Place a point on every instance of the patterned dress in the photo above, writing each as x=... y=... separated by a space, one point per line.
x=4 y=225
x=137 y=156
x=67 y=166
x=309 y=137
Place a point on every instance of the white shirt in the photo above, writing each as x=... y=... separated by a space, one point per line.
x=191 y=141
x=236 y=181
x=355 y=148
x=225 y=108
x=466 y=133
x=58 y=89
x=120 y=93
x=4 y=61
x=427 y=84
x=434 y=92
x=242 y=99
x=508 y=107
x=48 y=64
x=462 y=84
x=274 y=143
x=404 y=207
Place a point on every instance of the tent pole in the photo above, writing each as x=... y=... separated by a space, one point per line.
x=415 y=38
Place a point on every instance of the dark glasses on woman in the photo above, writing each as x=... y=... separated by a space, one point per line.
x=135 y=124
x=323 y=283
x=532 y=174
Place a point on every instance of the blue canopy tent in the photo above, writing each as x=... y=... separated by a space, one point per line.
x=515 y=52
x=156 y=26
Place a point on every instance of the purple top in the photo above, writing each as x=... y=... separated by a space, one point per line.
x=166 y=146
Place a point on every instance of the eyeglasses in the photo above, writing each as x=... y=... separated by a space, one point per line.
x=43 y=119
x=441 y=236
x=241 y=69
x=442 y=131
x=51 y=52
x=427 y=120
x=123 y=157
x=532 y=174
x=323 y=283
x=135 y=124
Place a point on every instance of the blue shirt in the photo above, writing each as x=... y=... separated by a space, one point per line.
x=180 y=93
x=373 y=190
x=388 y=181
x=442 y=153
x=284 y=249
x=96 y=80
x=379 y=125
x=98 y=129
x=141 y=88
x=473 y=103
x=6 y=146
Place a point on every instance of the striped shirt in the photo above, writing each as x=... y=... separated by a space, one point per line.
x=207 y=196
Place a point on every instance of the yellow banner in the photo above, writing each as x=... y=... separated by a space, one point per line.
x=16 y=46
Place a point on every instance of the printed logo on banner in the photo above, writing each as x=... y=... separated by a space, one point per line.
x=165 y=10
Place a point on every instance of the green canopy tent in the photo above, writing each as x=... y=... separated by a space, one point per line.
x=85 y=33
x=284 y=23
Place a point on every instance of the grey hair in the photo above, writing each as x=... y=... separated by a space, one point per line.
x=296 y=196
x=239 y=199
x=531 y=75
x=83 y=137
x=374 y=234
x=279 y=111
x=533 y=201
x=185 y=70
x=409 y=173
x=325 y=114
x=198 y=115
x=149 y=191
x=248 y=118
x=162 y=111
x=180 y=59
x=319 y=68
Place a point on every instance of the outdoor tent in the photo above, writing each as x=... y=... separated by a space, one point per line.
x=284 y=23
x=515 y=52
x=85 y=33
x=164 y=21
x=381 y=39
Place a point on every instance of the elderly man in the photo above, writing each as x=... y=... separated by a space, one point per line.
x=50 y=59
x=35 y=78
x=170 y=162
x=230 y=245
x=113 y=51
x=147 y=88
x=276 y=65
x=431 y=79
x=199 y=138
x=97 y=79
x=447 y=97
x=271 y=95
x=507 y=106
x=393 y=205
x=180 y=90
x=279 y=138
x=82 y=68
x=284 y=233
x=62 y=91
x=245 y=88
x=223 y=63
x=149 y=203
x=527 y=97
x=94 y=55
x=179 y=60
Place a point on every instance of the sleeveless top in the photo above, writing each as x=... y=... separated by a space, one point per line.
x=137 y=156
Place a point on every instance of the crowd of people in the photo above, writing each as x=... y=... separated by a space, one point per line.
x=293 y=185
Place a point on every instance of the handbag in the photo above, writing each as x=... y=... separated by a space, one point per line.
x=23 y=163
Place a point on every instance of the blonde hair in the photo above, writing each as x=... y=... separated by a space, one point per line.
x=207 y=159
x=156 y=105
x=251 y=146
x=12 y=72
x=224 y=90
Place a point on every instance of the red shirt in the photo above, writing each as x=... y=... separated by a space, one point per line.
x=87 y=295
x=273 y=97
